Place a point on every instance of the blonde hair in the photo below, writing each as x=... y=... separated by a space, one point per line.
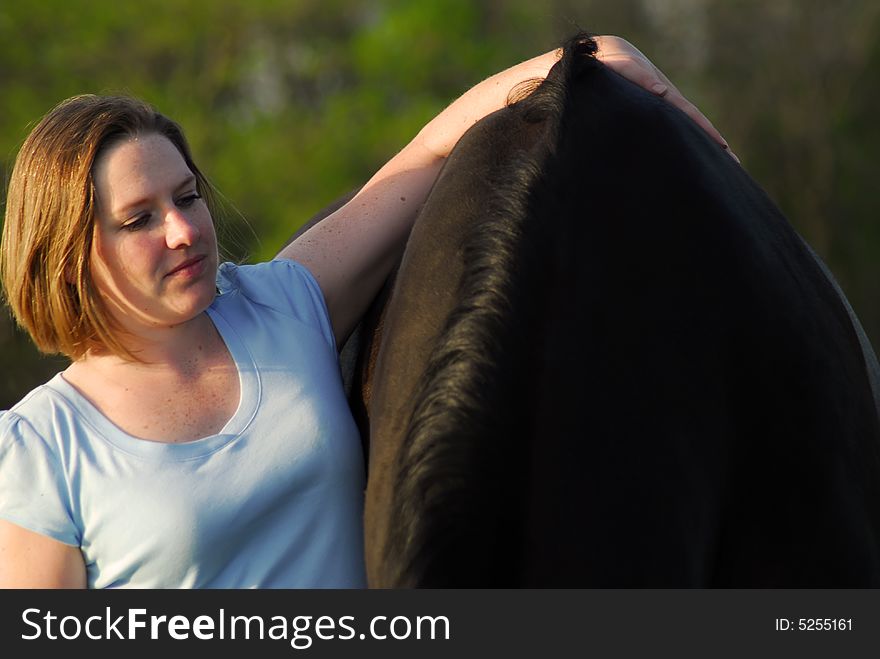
x=50 y=220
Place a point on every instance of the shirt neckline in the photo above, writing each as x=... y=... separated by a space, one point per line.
x=249 y=398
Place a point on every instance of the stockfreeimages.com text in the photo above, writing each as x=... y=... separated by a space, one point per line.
x=300 y=631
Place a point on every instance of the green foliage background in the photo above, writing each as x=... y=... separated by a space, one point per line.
x=290 y=103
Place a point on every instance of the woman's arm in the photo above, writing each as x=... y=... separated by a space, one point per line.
x=352 y=251
x=31 y=560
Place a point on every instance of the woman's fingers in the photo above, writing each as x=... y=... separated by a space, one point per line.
x=675 y=97
x=627 y=60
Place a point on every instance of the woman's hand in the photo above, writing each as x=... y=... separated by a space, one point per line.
x=622 y=57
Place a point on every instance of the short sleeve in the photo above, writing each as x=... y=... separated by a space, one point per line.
x=283 y=285
x=33 y=489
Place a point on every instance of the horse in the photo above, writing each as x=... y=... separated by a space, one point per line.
x=608 y=360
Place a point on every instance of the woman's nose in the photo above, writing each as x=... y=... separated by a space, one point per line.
x=180 y=230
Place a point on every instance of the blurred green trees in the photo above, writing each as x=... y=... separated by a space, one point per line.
x=290 y=103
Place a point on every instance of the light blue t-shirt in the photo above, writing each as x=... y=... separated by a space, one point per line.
x=275 y=500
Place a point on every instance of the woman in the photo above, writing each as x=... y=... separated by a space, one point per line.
x=200 y=436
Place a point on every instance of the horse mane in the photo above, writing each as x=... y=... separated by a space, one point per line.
x=463 y=467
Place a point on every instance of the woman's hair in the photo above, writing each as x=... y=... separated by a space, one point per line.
x=50 y=220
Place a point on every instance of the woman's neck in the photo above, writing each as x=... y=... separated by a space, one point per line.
x=184 y=349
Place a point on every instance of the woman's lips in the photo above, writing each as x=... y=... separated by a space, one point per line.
x=189 y=268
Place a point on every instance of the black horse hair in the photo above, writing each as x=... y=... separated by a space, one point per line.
x=453 y=440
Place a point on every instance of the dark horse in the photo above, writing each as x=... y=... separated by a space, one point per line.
x=608 y=360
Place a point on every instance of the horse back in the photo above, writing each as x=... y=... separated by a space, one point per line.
x=609 y=360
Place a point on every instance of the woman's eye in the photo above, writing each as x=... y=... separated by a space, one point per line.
x=188 y=200
x=137 y=223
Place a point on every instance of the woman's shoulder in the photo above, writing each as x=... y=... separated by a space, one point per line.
x=258 y=276
x=281 y=285
x=35 y=466
x=17 y=430
x=37 y=413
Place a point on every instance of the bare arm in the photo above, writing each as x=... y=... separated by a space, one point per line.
x=352 y=251
x=31 y=560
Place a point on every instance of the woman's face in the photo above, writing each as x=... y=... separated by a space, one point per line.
x=154 y=253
